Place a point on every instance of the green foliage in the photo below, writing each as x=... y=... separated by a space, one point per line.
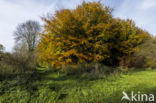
x=148 y=53
x=23 y=59
x=6 y=69
x=50 y=88
x=19 y=62
x=88 y=34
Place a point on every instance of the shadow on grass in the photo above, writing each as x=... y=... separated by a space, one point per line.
x=45 y=80
x=50 y=75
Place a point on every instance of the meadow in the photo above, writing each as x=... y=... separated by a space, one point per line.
x=49 y=87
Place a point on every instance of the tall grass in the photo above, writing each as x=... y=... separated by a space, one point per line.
x=51 y=88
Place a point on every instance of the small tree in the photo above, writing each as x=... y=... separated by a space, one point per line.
x=26 y=37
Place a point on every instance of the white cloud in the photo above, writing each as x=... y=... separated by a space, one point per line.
x=11 y=15
x=13 y=12
x=141 y=11
x=148 y=4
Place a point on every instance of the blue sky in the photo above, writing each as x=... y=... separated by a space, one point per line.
x=13 y=12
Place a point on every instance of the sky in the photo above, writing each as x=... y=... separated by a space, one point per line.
x=14 y=12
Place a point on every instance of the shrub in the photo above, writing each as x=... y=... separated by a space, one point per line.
x=134 y=61
x=87 y=68
x=137 y=61
x=145 y=56
x=23 y=59
x=6 y=69
x=23 y=62
x=18 y=62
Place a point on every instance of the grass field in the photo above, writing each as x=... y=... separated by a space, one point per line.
x=51 y=88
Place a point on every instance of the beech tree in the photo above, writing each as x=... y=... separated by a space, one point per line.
x=88 y=33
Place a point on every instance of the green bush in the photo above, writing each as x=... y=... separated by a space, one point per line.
x=21 y=62
x=145 y=55
x=6 y=69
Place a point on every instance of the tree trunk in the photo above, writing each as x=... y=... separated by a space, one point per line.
x=49 y=66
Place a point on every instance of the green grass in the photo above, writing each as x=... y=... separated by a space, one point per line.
x=51 y=88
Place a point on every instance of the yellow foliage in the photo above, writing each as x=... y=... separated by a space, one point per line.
x=88 y=33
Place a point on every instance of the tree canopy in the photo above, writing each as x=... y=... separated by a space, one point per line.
x=88 y=33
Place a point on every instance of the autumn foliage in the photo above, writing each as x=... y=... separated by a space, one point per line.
x=88 y=34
